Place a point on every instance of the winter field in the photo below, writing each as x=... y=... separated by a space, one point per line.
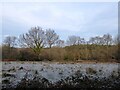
x=53 y=74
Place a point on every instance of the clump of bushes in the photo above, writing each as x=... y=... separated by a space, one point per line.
x=53 y=54
x=68 y=53
x=9 y=52
x=26 y=55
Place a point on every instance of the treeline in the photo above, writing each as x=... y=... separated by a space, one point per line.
x=43 y=45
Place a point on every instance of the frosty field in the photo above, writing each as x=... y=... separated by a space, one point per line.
x=23 y=74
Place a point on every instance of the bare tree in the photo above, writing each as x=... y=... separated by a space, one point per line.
x=117 y=40
x=60 y=43
x=72 y=40
x=91 y=40
x=8 y=46
x=10 y=41
x=34 y=39
x=75 y=40
x=107 y=39
x=51 y=37
x=82 y=41
x=99 y=40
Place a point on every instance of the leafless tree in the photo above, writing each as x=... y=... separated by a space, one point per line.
x=34 y=39
x=10 y=41
x=82 y=41
x=104 y=40
x=60 y=43
x=75 y=40
x=117 y=40
x=51 y=37
x=8 y=46
x=72 y=40
x=107 y=39
x=91 y=40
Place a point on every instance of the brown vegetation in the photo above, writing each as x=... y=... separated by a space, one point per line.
x=76 y=53
x=44 y=45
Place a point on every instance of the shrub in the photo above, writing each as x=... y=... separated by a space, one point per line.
x=68 y=53
x=54 y=53
x=9 y=52
x=26 y=55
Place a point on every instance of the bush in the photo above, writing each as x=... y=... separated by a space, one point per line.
x=54 y=53
x=68 y=53
x=9 y=52
x=27 y=55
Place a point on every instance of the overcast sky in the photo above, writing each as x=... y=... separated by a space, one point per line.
x=84 y=19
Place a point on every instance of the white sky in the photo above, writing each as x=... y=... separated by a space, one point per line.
x=84 y=19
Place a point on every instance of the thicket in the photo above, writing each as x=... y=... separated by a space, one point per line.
x=68 y=53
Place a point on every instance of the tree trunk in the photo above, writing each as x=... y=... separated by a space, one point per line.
x=50 y=46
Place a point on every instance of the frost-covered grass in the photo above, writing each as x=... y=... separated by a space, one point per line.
x=13 y=73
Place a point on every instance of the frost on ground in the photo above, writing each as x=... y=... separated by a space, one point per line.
x=41 y=74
